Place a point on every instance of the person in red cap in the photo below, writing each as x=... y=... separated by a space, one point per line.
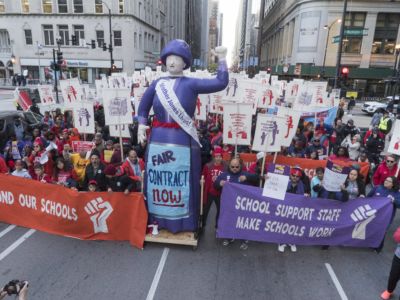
x=38 y=155
x=92 y=186
x=210 y=172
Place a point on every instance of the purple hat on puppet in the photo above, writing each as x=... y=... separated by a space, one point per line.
x=179 y=48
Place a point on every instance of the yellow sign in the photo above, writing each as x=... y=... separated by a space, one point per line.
x=351 y=94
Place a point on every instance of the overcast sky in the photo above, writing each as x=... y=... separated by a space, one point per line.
x=230 y=9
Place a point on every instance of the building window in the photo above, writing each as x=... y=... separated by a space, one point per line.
x=145 y=41
x=117 y=38
x=47 y=6
x=48 y=35
x=121 y=6
x=135 y=40
x=140 y=41
x=64 y=34
x=79 y=32
x=100 y=37
x=353 y=20
x=385 y=33
x=25 y=6
x=62 y=6
x=78 y=6
x=2 y=6
x=98 y=5
x=28 y=36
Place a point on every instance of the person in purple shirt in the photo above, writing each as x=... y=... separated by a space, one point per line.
x=173 y=164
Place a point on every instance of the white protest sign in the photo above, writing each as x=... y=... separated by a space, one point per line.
x=292 y=118
x=72 y=91
x=216 y=103
x=115 y=131
x=237 y=124
x=201 y=107
x=268 y=135
x=84 y=117
x=334 y=176
x=269 y=96
x=275 y=186
x=46 y=94
x=394 y=145
x=117 y=106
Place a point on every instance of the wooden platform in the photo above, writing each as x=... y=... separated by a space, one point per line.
x=166 y=237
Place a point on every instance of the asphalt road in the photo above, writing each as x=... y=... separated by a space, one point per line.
x=65 y=268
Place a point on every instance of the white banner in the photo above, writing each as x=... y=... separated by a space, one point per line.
x=216 y=103
x=117 y=106
x=292 y=119
x=312 y=94
x=84 y=117
x=46 y=94
x=237 y=124
x=394 y=146
x=268 y=135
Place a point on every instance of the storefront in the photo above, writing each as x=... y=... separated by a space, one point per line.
x=86 y=70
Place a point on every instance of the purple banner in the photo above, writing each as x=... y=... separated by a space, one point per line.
x=246 y=214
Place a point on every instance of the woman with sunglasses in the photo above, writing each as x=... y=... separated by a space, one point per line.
x=387 y=168
x=234 y=174
x=390 y=189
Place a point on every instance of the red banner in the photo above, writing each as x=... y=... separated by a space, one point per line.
x=23 y=99
x=83 y=215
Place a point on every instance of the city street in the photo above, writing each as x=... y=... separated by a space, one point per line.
x=65 y=268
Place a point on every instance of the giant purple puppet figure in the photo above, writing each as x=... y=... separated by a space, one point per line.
x=173 y=166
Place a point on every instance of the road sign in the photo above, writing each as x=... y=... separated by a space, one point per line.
x=336 y=39
x=356 y=32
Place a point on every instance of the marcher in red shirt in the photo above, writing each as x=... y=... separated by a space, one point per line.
x=3 y=166
x=133 y=167
x=387 y=168
x=39 y=174
x=210 y=172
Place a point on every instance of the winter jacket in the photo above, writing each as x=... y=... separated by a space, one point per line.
x=383 y=172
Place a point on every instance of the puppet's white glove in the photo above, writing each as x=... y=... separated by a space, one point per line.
x=221 y=52
x=142 y=133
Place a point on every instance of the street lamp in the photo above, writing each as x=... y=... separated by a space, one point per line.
x=395 y=71
x=326 y=27
x=13 y=60
x=110 y=47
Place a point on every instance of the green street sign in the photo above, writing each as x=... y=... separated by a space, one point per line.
x=356 y=32
x=336 y=39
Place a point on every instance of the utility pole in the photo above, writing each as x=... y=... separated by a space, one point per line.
x=110 y=47
x=339 y=54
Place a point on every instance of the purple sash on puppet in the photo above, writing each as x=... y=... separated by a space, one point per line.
x=246 y=214
x=173 y=163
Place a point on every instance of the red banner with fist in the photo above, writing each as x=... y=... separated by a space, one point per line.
x=84 y=215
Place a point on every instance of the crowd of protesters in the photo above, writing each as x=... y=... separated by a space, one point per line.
x=45 y=153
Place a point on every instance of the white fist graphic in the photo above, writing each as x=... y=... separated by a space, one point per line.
x=99 y=211
x=364 y=215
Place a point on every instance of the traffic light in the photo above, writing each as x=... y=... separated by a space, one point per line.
x=113 y=68
x=74 y=39
x=54 y=66
x=93 y=44
x=60 y=58
x=104 y=47
x=268 y=70
x=344 y=72
x=159 y=62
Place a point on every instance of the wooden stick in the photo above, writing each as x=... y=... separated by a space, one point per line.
x=398 y=169
x=142 y=182
x=275 y=156
x=262 y=169
x=120 y=144
x=201 y=194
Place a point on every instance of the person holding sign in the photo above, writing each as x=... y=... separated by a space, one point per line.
x=173 y=163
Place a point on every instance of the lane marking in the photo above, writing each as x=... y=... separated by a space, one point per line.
x=335 y=280
x=7 y=230
x=18 y=242
x=157 y=276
